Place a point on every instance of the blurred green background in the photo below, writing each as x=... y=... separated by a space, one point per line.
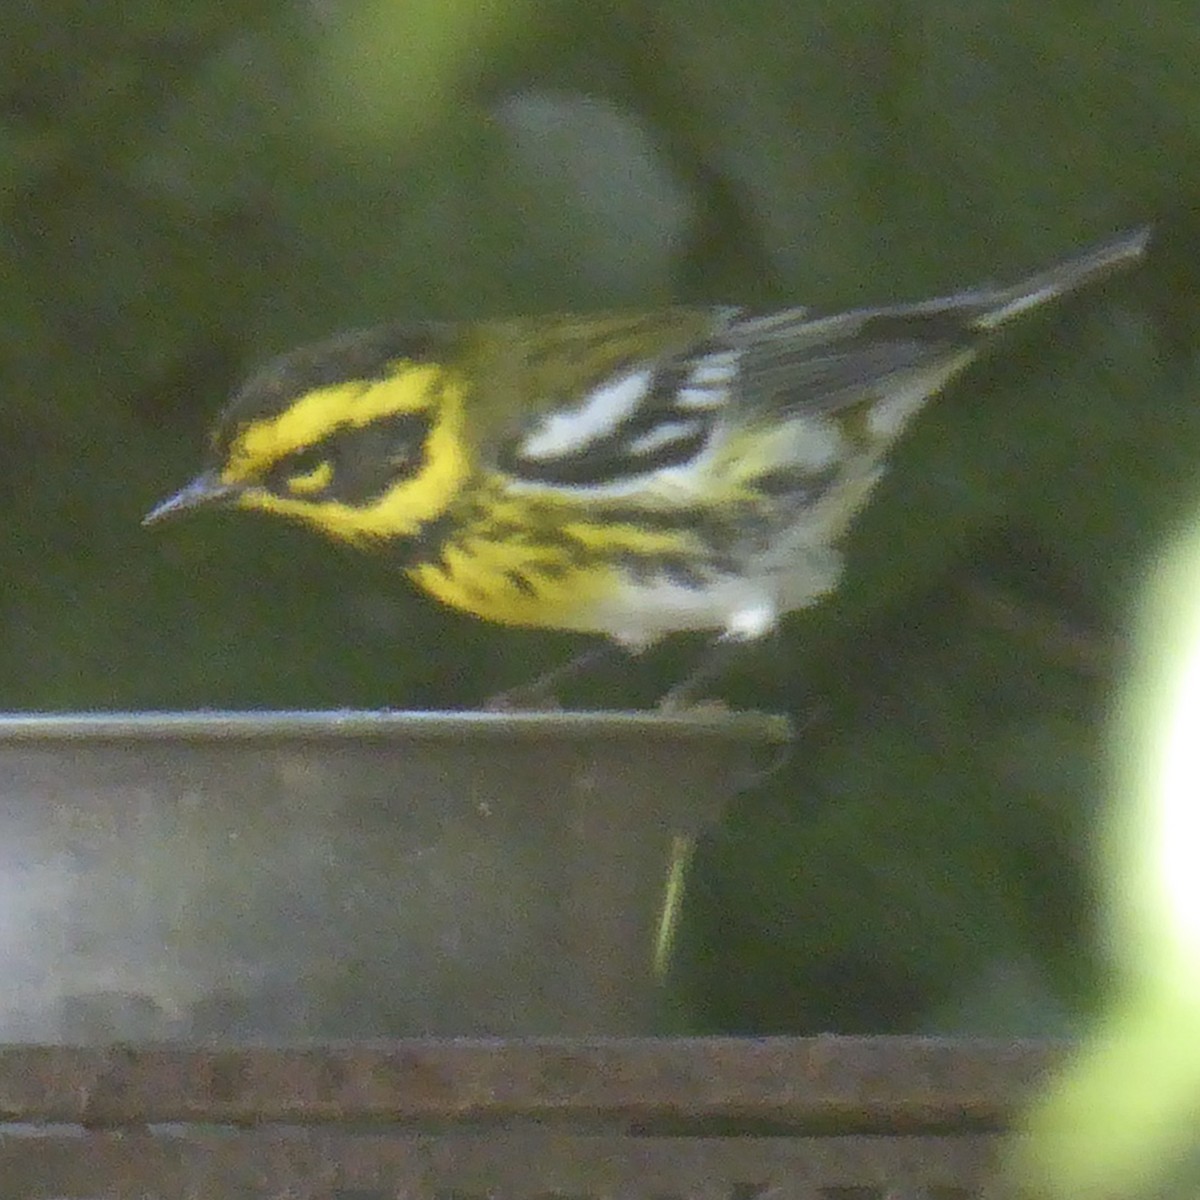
x=188 y=188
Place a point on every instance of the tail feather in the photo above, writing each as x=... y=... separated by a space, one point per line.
x=1084 y=269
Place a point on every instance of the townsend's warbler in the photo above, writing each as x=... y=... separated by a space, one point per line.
x=694 y=469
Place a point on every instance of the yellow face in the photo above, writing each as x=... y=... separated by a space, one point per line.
x=362 y=460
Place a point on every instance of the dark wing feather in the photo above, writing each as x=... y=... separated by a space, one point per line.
x=830 y=364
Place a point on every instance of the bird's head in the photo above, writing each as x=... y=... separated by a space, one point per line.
x=359 y=436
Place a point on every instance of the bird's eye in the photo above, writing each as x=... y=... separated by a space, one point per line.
x=311 y=482
x=305 y=473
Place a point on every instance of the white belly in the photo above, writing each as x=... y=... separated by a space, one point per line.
x=741 y=607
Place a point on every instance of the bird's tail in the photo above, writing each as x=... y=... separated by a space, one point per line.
x=1084 y=269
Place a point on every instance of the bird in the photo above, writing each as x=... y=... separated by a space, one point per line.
x=630 y=476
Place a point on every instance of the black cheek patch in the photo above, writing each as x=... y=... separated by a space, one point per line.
x=371 y=459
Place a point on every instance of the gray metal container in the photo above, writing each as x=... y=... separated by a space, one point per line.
x=253 y=876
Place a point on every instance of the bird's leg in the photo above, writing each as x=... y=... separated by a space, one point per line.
x=540 y=693
x=712 y=665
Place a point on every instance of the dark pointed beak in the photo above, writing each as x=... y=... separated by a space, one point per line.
x=203 y=491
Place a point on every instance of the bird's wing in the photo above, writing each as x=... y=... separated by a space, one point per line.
x=653 y=394
x=802 y=367
x=662 y=415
